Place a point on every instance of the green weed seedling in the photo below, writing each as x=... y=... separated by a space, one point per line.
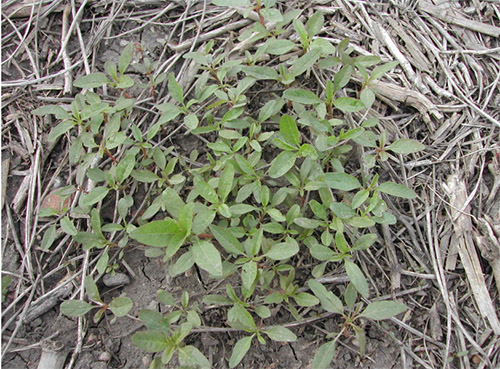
x=295 y=178
x=119 y=306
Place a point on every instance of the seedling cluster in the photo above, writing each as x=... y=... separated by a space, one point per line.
x=275 y=186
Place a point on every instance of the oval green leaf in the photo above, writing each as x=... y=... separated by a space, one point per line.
x=380 y=310
x=357 y=278
x=150 y=341
x=282 y=164
x=349 y=104
x=120 y=306
x=341 y=181
x=207 y=257
x=398 y=190
x=156 y=232
x=406 y=146
x=283 y=250
x=280 y=334
x=301 y=96
x=91 y=80
x=75 y=308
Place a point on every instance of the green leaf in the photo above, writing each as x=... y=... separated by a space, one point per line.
x=367 y=61
x=342 y=77
x=49 y=237
x=248 y=274
x=314 y=24
x=124 y=82
x=226 y=239
x=95 y=222
x=361 y=337
x=125 y=167
x=262 y=73
x=240 y=317
x=283 y=250
x=289 y=130
x=125 y=58
x=341 y=243
x=367 y=97
x=398 y=190
x=349 y=104
x=274 y=298
x=170 y=112
x=165 y=298
x=231 y=2
x=307 y=223
x=216 y=300
x=280 y=334
x=301 y=96
x=192 y=357
x=252 y=245
x=191 y=121
x=357 y=278
x=239 y=209
x=102 y=263
x=282 y=164
x=305 y=299
x=60 y=129
x=324 y=356
x=55 y=110
x=341 y=181
x=244 y=165
x=91 y=80
x=185 y=218
x=361 y=222
x=329 y=301
x=173 y=201
x=6 y=280
x=202 y=220
x=271 y=15
x=67 y=226
x=350 y=296
x=91 y=289
x=232 y=114
x=207 y=257
x=365 y=241
x=94 y=196
x=155 y=233
x=145 y=176
x=279 y=47
x=205 y=190
x=406 y=146
x=226 y=182
x=240 y=350
x=321 y=252
x=150 y=341
x=323 y=45
x=380 y=310
x=301 y=31
x=75 y=308
x=305 y=62
x=360 y=198
x=174 y=89
x=120 y=306
x=382 y=69
x=276 y=215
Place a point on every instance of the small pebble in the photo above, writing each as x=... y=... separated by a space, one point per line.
x=104 y=356
x=119 y=279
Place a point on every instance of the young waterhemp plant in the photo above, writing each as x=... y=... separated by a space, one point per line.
x=294 y=181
